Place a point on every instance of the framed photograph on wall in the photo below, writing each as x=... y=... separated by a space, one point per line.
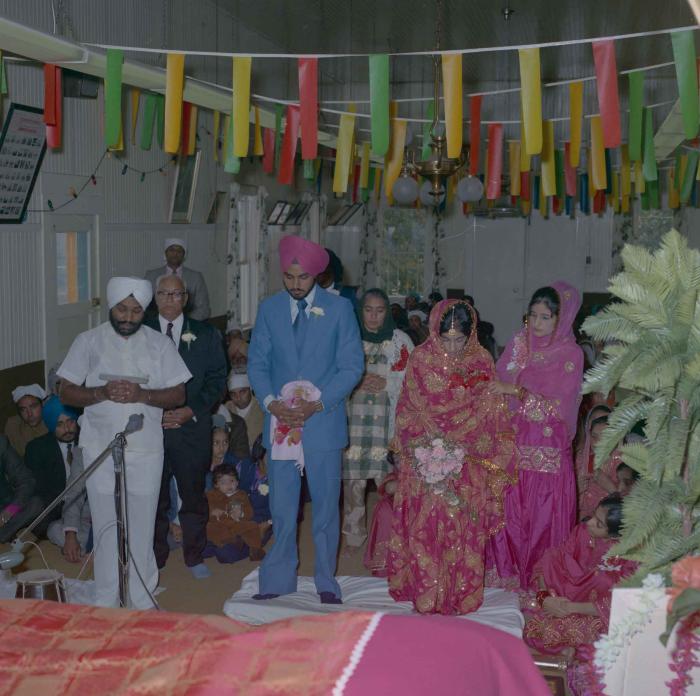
x=22 y=148
x=275 y=214
x=182 y=202
x=216 y=204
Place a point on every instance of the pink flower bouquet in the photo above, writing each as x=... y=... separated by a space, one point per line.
x=438 y=460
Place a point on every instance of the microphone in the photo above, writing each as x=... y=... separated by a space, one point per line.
x=13 y=558
x=134 y=424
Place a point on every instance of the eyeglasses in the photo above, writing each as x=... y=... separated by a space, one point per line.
x=177 y=295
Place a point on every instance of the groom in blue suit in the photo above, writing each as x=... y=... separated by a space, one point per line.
x=305 y=333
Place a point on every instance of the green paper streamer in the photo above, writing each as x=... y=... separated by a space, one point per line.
x=3 y=75
x=644 y=198
x=559 y=172
x=279 y=110
x=429 y=114
x=379 y=103
x=370 y=181
x=309 y=170
x=654 y=199
x=687 y=78
x=232 y=164
x=149 y=111
x=649 y=166
x=160 y=118
x=636 y=104
x=689 y=178
x=113 y=96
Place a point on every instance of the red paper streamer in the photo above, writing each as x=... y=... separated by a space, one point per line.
x=525 y=186
x=569 y=172
x=268 y=161
x=474 y=134
x=495 y=161
x=556 y=205
x=289 y=146
x=308 y=102
x=185 y=130
x=599 y=201
x=53 y=105
x=608 y=99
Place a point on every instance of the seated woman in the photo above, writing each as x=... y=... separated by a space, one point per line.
x=570 y=600
x=453 y=445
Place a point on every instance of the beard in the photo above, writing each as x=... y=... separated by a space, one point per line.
x=124 y=328
x=299 y=294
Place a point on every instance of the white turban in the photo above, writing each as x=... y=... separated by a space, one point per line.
x=119 y=289
x=238 y=380
x=29 y=390
x=172 y=241
x=417 y=313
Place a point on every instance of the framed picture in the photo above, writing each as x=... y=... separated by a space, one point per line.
x=22 y=148
x=282 y=219
x=217 y=202
x=186 y=172
x=349 y=212
x=275 y=214
x=338 y=215
x=298 y=214
x=292 y=214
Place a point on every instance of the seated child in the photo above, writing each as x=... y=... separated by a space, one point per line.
x=231 y=515
x=380 y=529
x=252 y=477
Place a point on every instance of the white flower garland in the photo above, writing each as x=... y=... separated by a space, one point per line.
x=608 y=648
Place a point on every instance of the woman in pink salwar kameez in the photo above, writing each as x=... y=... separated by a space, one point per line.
x=540 y=371
x=441 y=525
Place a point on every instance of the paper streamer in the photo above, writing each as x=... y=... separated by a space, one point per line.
x=687 y=77
x=680 y=171
x=364 y=166
x=257 y=135
x=608 y=172
x=452 y=90
x=531 y=98
x=514 y=167
x=192 y=138
x=285 y=174
x=308 y=104
x=344 y=154
x=135 y=99
x=608 y=98
x=575 y=123
x=232 y=164
x=625 y=205
x=674 y=199
x=268 y=162
x=636 y=118
x=625 y=173
x=394 y=158
x=185 y=129
x=597 y=155
x=549 y=180
x=379 y=105
x=53 y=105
x=525 y=186
x=495 y=161
x=583 y=197
x=160 y=119
x=217 y=128
x=559 y=169
x=174 y=83
x=688 y=181
x=615 y=192
x=649 y=166
x=654 y=197
x=569 y=172
x=279 y=111
x=149 y=112
x=240 y=112
x=475 y=134
x=429 y=112
x=639 y=183
x=309 y=170
x=113 y=96
x=3 y=76
x=524 y=157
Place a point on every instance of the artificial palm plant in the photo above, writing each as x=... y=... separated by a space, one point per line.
x=652 y=358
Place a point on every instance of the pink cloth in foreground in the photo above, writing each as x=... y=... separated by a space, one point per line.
x=541 y=508
x=436 y=552
x=414 y=656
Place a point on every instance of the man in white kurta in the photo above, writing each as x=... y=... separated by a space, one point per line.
x=118 y=369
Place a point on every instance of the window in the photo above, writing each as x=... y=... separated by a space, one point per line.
x=401 y=252
x=72 y=267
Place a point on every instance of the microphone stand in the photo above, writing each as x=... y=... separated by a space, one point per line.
x=116 y=448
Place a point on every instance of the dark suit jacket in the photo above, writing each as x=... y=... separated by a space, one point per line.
x=206 y=360
x=43 y=457
x=16 y=481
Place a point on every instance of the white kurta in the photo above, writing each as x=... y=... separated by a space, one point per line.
x=152 y=356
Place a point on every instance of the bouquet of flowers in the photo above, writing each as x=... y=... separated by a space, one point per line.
x=438 y=460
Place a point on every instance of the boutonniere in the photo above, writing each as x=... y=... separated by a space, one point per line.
x=263 y=489
x=317 y=311
x=188 y=337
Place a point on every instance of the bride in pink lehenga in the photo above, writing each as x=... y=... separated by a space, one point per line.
x=441 y=525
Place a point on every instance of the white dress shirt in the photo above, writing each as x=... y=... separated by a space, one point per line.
x=177 y=327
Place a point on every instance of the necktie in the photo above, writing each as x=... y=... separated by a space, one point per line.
x=301 y=323
x=169 y=331
x=69 y=454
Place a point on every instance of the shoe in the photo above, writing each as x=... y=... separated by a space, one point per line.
x=265 y=596
x=200 y=571
x=329 y=598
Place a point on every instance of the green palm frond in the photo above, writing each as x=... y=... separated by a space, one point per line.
x=636 y=455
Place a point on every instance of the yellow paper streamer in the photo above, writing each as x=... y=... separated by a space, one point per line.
x=681 y=177
x=575 y=124
x=674 y=198
x=364 y=167
x=135 y=97
x=625 y=174
x=241 y=105
x=192 y=137
x=531 y=98
x=625 y=204
x=257 y=136
x=174 y=82
x=452 y=80
x=217 y=126
x=343 y=153
x=639 y=183
x=543 y=200
x=394 y=157
x=514 y=167
x=599 y=177
x=524 y=157
x=549 y=174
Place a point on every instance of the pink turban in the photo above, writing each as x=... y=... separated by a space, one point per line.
x=311 y=257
